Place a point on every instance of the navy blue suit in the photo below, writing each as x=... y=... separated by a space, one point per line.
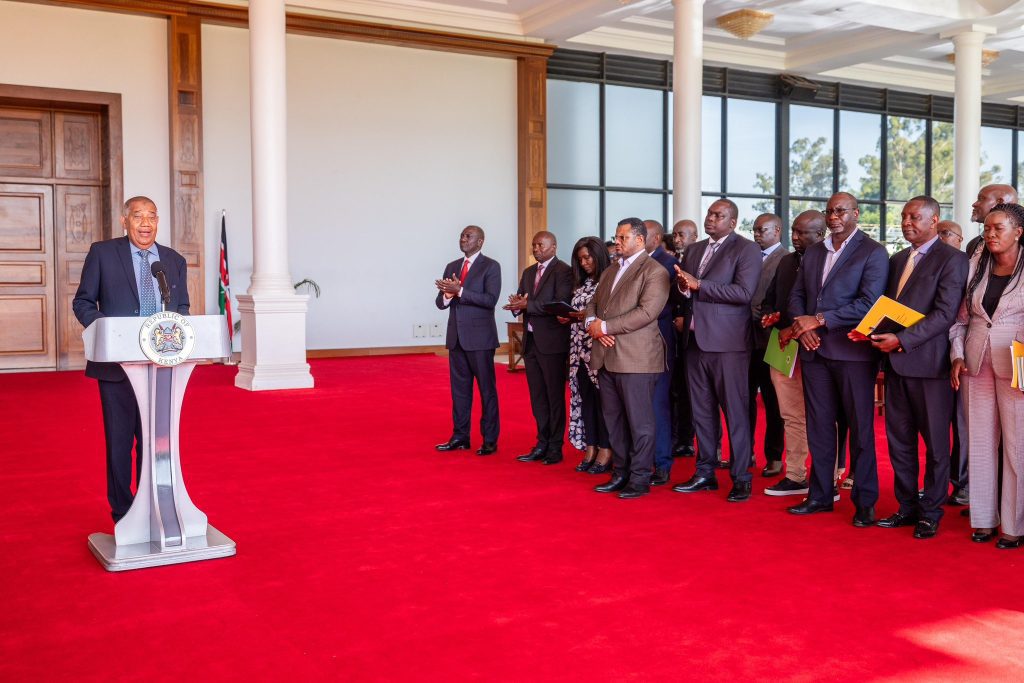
x=108 y=288
x=662 y=397
x=471 y=340
x=839 y=377
x=918 y=397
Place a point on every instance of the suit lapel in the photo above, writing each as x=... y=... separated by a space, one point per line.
x=124 y=253
x=855 y=240
x=715 y=257
x=546 y=273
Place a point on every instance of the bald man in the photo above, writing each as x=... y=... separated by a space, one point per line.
x=988 y=197
x=545 y=345
x=950 y=233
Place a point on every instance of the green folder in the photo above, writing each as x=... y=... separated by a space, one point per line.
x=783 y=360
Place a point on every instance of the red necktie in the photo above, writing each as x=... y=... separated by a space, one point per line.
x=465 y=269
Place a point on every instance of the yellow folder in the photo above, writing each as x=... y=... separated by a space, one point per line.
x=1017 y=354
x=888 y=316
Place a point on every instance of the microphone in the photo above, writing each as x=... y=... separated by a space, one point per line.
x=161 y=278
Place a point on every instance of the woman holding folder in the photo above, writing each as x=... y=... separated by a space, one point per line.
x=587 y=431
x=991 y=317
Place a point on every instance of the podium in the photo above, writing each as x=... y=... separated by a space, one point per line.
x=158 y=353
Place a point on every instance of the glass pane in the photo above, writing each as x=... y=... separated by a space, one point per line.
x=573 y=133
x=945 y=212
x=1020 y=159
x=810 y=151
x=860 y=154
x=642 y=205
x=798 y=206
x=634 y=144
x=942 y=161
x=893 y=232
x=905 y=160
x=871 y=219
x=749 y=210
x=573 y=214
x=996 y=155
x=711 y=144
x=751 y=147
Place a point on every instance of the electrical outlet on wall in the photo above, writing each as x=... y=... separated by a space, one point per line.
x=419 y=330
x=435 y=329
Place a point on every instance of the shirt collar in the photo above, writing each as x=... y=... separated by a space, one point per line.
x=769 y=250
x=151 y=249
x=720 y=240
x=472 y=259
x=547 y=263
x=623 y=262
x=829 y=245
x=927 y=245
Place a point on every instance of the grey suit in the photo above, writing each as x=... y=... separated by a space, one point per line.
x=718 y=355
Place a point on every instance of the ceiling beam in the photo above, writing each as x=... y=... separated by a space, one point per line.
x=557 y=20
x=815 y=54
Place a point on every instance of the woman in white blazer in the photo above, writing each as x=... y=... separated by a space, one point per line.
x=991 y=317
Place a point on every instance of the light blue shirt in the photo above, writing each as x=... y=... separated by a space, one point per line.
x=154 y=256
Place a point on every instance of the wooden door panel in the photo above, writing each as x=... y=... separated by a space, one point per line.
x=25 y=143
x=76 y=143
x=27 y=324
x=79 y=222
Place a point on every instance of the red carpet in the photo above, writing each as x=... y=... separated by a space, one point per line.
x=365 y=555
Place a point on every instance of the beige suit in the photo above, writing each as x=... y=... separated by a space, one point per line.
x=630 y=312
x=629 y=370
x=994 y=409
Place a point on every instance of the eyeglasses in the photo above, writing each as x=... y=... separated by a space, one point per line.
x=950 y=234
x=838 y=212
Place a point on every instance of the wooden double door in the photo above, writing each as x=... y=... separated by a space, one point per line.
x=54 y=203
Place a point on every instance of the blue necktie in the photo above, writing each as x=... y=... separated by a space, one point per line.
x=147 y=297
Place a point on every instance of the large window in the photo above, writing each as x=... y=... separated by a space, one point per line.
x=610 y=142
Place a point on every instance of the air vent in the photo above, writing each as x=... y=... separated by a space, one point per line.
x=859 y=97
x=998 y=114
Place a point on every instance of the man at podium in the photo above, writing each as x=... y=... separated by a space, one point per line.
x=118 y=280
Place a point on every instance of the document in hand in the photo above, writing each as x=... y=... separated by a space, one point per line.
x=887 y=316
x=1017 y=354
x=784 y=359
x=558 y=308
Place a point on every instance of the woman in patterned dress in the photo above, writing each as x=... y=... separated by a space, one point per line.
x=586 y=424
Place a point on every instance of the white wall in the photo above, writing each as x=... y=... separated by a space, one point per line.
x=391 y=152
x=106 y=52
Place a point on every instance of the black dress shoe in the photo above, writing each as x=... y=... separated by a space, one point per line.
x=683 y=452
x=864 y=517
x=660 y=478
x=772 y=469
x=1006 y=543
x=584 y=465
x=740 y=492
x=453 y=445
x=925 y=528
x=633 y=491
x=899 y=519
x=809 y=507
x=536 y=454
x=616 y=483
x=599 y=468
x=980 y=536
x=697 y=483
x=487 y=449
x=959 y=497
x=553 y=458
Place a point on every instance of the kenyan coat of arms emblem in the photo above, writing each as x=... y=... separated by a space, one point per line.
x=167 y=338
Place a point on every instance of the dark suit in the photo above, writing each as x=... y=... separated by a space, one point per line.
x=918 y=396
x=662 y=399
x=546 y=351
x=839 y=377
x=108 y=288
x=682 y=417
x=760 y=378
x=471 y=340
x=718 y=352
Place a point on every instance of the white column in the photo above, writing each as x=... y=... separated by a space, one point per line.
x=273 y=315
x=967 y=121
x=687 y=81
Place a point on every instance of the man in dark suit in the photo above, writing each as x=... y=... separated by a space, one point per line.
x=117 y=280
x=469 y=288
x=545 y=345
x=839 y=280
x=653 y=244
x=629 y=355
x=952 y=234
x=929 y=277
x=720 y=274
x=684 y=233
x=767 y=234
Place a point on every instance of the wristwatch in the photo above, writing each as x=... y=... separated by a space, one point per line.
x=820 y=317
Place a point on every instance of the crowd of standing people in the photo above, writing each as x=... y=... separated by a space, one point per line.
x=659 y=335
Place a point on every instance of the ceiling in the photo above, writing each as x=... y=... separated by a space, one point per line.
x=891 y=43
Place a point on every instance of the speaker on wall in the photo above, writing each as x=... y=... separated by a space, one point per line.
x=797 y=87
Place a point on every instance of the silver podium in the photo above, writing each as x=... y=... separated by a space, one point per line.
x=158 y=353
